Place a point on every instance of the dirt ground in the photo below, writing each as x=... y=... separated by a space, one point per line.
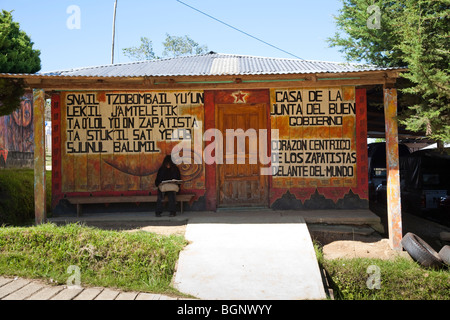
x=375 y=247
x=338 y=249
x=357 y=249
x=378 y=247
x=163 y=228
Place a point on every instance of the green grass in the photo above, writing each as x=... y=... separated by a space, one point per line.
x=17 y=196
x=140 y=261
x=400 y=279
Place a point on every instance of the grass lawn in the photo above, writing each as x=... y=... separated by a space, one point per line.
x=140 y=261
x=401 y=279
x=17 y=196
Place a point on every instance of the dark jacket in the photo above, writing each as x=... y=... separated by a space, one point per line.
x=167 y=174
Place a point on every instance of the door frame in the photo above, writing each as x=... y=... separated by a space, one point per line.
x=265 y=122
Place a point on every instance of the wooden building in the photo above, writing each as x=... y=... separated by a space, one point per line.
x=304 y=125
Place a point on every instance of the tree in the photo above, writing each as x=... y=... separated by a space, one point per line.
x=179 y=46
x=174 y=46
x=16 y=56
x=361 y=42
x=143 y=52
x=411 y=33
x=424 y=30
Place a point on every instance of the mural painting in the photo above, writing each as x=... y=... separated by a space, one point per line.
x=16 y=136
x=113 y=142
x=318 y=145
x=116 y=141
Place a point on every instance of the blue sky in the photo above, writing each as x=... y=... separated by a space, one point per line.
x=300 y=27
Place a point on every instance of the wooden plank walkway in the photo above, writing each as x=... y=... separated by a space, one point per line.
x=26 y=289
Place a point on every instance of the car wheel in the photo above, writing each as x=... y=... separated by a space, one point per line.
x=444 y=254
x=420 y=251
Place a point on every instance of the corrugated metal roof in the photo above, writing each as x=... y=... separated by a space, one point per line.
x=214 y=64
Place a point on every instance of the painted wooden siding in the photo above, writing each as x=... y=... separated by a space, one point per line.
x=322 y=143
x=116 y=141
x=110 y=170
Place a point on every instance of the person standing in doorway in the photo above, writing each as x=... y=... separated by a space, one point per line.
x=167 y=171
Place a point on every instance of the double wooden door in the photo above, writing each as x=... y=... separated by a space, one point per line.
x=240 y=182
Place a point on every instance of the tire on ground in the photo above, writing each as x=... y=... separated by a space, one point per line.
x=444 y=254
x=420 y=251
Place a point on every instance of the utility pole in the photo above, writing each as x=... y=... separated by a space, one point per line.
x=113 y=32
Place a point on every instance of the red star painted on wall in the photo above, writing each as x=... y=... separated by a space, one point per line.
x=239 y=97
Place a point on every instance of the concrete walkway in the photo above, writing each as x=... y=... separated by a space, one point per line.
x=24 y=289
x=249 y=256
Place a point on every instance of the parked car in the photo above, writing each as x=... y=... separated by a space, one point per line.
x=444 y=204
x=376 y=153
x=425 y=176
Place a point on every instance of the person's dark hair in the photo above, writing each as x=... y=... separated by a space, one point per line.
x=168 y=160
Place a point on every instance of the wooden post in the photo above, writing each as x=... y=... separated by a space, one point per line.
x=210 y=170
x=39 y=156
x=392 y=168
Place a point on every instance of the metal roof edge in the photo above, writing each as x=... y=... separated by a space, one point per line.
x=43 y=76
x=195 y=73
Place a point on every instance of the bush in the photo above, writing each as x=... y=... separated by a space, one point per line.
x=17 y=196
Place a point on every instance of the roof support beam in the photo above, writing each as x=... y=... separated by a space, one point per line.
x=39 y=156
x=193 y=84
x=393 y=169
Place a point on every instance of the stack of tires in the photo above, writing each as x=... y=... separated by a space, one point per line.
x=424 y=254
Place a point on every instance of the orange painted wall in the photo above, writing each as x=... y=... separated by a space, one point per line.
x=128 y=173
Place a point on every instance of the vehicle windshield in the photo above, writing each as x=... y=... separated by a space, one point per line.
x=430 y=179
x=380 y=172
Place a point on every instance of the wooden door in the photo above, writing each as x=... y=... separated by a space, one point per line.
x=240 y=182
